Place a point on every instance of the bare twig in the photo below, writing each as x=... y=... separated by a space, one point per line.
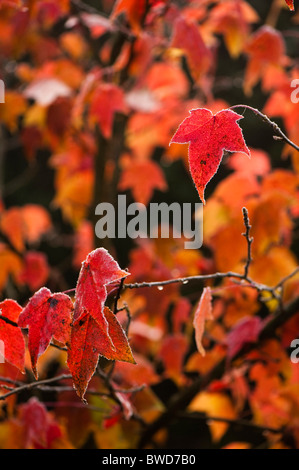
x=286 y=278
x=117 y=297
x=36 y=384
x=278 y=132
x=249 y=241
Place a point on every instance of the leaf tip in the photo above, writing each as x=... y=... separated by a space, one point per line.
x=34 y=371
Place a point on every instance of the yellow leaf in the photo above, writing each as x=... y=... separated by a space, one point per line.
x=214 y=405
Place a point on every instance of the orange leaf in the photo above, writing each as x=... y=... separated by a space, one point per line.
x=187 y=37
x=74 y=196
x=142 y=178
x=232 y=18
x=217 y=405
x=11 y=265
x=203 y=312
x=259 y=163
x=134 y=9
x=266 y=50
x=25 y=224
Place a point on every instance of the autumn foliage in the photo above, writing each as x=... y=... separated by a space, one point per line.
x=117 y=343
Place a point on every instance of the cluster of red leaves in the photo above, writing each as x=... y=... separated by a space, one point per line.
x=117 y=86
x=88 y=328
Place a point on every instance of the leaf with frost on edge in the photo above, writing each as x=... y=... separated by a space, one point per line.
x=89 y=340
x=203 y=312
x=97 y=271
x=208 y=136
x=11 y=337
x=47 y=316
x=95 y=330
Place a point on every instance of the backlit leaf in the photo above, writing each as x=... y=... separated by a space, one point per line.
x=97 y=271
x=47 y=316
x=203 y=312
x=12 y=337
x=89 y=340
x=208 y=136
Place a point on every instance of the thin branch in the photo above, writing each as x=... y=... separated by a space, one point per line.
x=286 y=278
x=113 y=393
x=69 y=291
x=129 y=317
x=36 y=384
x=275 y=127
x=117 y=297
x=247 y=282
x=10 y=381
x=249 y=241
x=65 y=388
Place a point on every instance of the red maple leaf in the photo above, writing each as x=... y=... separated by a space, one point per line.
x=95 y=331
x=208 y=136
x=89 y=340
x=46 y=315
x=97 y=271
x=12 y=337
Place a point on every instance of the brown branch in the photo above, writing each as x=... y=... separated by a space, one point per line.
x=286 y=278
x=10 y=381
x=117 y=297
x=204 y=277
x=249 y=241
x=32 y=385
